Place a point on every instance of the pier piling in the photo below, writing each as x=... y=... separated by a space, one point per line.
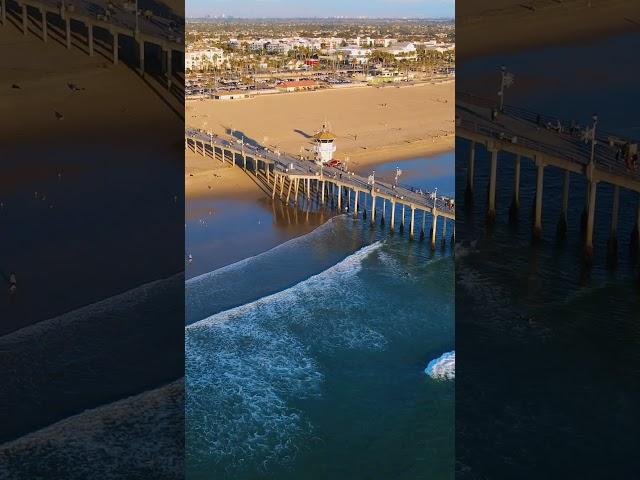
x=515 y=201
x=491 y=209
x=537 y=226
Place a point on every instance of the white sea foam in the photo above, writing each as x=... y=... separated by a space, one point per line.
x=443 y=367
x=238 y=406
x=105 y=442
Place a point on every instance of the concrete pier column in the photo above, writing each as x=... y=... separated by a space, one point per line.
x=373 y=209
x=612 y=244
x=402 y=220
x=115 y=47
x=169 y=67
x=384 y=212
x=244 y=164
x=562 y=222
x=275 y=182
x=491 y=208
x=424 y=223
x=267 y=171
x=393 y=216
x=515 y=201
x=24 y=20
x=43 y=15
x=289 y=191
x=444 y=232
x=141 y=57
x=67 y=28
x=296 y=190
x=537 y=225
x=281 y=185
x=322 y=194
x=355 y=208
x=413 y=221
x=470 y=172
x=90 y=39
x=308 y=188
x=3 y=13
x=585 y=211
x=434 y=228
x=588 y=243
x=340 y=198
x=233 y=159
x=635 y=233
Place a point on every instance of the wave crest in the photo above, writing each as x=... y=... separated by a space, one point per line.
x=443 y=367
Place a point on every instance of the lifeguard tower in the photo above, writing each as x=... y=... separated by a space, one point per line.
x=324 y=146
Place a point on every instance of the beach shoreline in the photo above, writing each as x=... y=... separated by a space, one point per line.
x=374 y=126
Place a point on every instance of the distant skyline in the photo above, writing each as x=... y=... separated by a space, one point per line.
x=321 y=8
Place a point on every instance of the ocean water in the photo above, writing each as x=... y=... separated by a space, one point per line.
x=307 y=361
x=548 y=351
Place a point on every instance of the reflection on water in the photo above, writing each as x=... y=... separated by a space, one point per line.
x=219 y=232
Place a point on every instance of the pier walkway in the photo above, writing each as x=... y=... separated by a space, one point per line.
x=549 y=141
x=290 y=178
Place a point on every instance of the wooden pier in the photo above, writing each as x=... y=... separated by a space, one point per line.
x=547 y=141
x=293 y=179
x=81 y=20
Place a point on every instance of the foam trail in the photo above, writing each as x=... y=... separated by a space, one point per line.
x=328 y=225
x=349 y=266
x=270 y=271
x=443 y=367
x=238 y=406
x=106 y=441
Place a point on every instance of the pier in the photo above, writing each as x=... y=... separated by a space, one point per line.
x=293 y=180
x=100 y=23
x=513 y=134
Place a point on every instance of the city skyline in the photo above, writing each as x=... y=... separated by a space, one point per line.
x=325 y=9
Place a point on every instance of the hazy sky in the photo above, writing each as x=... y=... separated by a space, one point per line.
x=321 y=8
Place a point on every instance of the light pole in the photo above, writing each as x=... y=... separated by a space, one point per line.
x=593 y=138
x=506 y=81
x=136 y=32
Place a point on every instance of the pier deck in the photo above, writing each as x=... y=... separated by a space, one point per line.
x=329 y=185
x=550 y=141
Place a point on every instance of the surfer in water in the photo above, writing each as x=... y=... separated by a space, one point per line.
x=190 y=258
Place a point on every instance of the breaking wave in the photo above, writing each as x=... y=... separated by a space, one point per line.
x=238 y=407
x=443 y=367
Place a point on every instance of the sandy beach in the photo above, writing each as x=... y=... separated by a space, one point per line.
x=205 y=177
x=504 y=25
x=373 y=125
x=54 y=93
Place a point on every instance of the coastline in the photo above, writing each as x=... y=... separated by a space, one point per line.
x=373 y=126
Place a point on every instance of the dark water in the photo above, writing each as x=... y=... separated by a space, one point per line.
x=97 y=315
x=314 y=368
x=548 y=351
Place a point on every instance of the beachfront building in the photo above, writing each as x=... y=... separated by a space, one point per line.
x=277 y=47
x=324 y=145
x=354 y=53
x=203 y=59
x=298 y=85
x=406 y=50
